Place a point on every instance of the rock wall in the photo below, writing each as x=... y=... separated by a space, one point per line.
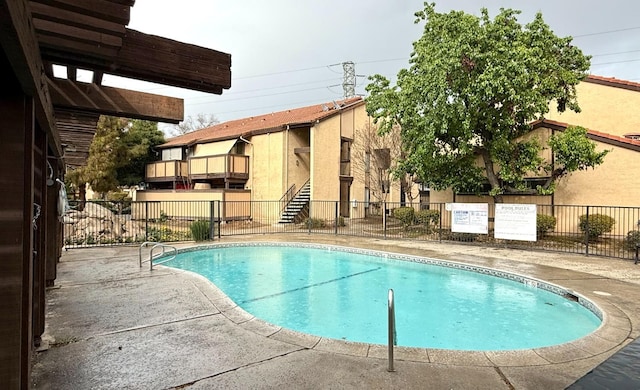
x=97 y=224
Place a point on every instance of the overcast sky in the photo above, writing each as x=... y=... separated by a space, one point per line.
x=289 y=53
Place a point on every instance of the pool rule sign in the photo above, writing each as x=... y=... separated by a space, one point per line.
x=515 y=222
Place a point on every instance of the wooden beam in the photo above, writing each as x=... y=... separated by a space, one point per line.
x=119 y=102
x=114 y=11
x=19 y=43
x=176 y=63
x=76 y=132
x=72 y=73
x=305 y=150
x=73 y=34
x=58 y=49
x=165 y=61
x=97 y=77
x=77 y=19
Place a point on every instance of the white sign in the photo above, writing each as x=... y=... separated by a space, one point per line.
x=470 y=218
x=515 y=222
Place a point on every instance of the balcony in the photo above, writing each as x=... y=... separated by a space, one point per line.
x=174 y=170
x=223 y=166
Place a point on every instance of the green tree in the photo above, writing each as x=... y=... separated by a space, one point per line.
x=473 y=87
x=139 y=140
x=117 y=156
x=106 y=154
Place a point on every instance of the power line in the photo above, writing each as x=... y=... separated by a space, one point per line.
x=613 y=54
x=281 y=72
x=261 y=96
x=283 y=105
x=207 y=96
x=606 y=32
x=615 y=62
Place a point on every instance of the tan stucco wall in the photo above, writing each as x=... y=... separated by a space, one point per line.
x=351 y=124
x=298 y=165
x=606 y=109
x=179 y=204
x=194 y=204
x=267 y=174
x=325 y=159
x=614 y=183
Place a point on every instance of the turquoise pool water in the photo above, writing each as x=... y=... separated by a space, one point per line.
x=342 y=295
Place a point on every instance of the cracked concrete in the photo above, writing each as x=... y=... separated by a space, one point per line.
x=113 y=325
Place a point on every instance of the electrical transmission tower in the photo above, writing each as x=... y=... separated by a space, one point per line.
x=349 y=80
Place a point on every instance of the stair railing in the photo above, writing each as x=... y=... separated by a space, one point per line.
x=286 y=198
x=295 y=195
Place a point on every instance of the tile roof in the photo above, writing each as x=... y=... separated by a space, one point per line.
x=276 y=121
x=613 y=82
x=593 y=134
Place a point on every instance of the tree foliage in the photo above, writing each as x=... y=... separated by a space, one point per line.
x=466 y=102
x=106 y=154
x=139 y=139
x=118 y=154
x=199 y=122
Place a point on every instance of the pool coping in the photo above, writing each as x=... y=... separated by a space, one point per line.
x=614 y=330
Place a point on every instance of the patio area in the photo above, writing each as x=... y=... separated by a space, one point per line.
x=111 y=324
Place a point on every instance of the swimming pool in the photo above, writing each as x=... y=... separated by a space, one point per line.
x=341 y=293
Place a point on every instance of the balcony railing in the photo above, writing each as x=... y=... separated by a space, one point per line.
x=173 y=170
x=223 y=166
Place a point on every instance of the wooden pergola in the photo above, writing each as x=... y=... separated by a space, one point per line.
x=48 y=122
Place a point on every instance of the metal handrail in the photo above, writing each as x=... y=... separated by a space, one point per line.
x=393 y=339
x=144 y=244
x=163 y=246
x=284 y=200
x=158 y=255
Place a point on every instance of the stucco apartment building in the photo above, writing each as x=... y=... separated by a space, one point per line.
x=272 y=156
x=610 y=113
x=268 y=157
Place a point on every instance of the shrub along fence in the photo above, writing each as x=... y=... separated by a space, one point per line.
x=591 y=230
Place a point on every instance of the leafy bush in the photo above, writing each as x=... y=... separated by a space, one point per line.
x=632 y=240
x=596 y=225
x=341 y=222
x=119 y=196
x=428 y=218
x=164 y=234
x=200 y=230
x=315 y=223
x=544 y=224
x=406 y=215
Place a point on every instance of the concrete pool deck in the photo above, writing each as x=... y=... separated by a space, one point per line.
x=112 y=325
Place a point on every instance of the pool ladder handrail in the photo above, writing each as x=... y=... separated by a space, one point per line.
x=157 y=255
x=393 y=338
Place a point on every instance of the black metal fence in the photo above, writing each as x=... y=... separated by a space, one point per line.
x=591 y=230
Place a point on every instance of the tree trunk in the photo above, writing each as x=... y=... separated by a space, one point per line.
x=491 y=174
x=82 y=189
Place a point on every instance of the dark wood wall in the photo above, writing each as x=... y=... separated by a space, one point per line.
x=23 y=238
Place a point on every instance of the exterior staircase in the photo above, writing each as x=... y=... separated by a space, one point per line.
x=298 y=206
